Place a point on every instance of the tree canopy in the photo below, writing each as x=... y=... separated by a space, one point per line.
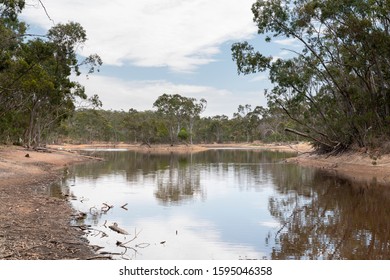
x=336 y=88
x=36 y=89
x=178 y=109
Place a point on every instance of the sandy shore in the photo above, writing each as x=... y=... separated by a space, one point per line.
x=296 y=148
x=36 y=225
x=356 y=166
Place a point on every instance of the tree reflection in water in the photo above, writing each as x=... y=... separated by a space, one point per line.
x=179 y=182
x=327 y=217
x=320 y=215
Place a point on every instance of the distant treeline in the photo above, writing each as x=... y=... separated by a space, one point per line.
x=176 y=119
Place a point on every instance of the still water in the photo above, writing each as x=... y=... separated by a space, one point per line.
x=226 y=205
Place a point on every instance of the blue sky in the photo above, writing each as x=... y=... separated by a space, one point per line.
x=151 y=47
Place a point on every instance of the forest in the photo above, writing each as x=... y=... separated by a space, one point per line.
x=175 y=120
x=334 y=91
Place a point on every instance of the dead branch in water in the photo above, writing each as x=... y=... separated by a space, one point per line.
x=83 y=227
x=124 y=244
x=124 y=206
x=117 y=229
x=105 y=208
x=99 y=232
x=80 y=216
x=142 y=245
x=135 y=236
x=100 y=258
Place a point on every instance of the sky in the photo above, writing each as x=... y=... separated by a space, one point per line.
x=152 y=47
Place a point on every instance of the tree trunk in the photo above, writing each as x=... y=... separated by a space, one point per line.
x=309 y=137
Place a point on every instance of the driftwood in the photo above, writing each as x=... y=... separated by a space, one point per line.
x=124 y=206
x=42 y=149
x=100 y=258
x=80 y=216
x=117 y=229
x=105 y=208
x=125 y=246
x=83 y=227
x=144 y=143
x=96 y=247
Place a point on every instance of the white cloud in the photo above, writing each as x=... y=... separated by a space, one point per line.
x=196 y=239
x=190 y=242
x=178 y=34
x=259 y=78
x=292 y=42
x=286 y=53
x=118 y=94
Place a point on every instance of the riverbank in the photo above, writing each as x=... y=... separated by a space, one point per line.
x=35 y=225
x=299 y=148
x=353 y=165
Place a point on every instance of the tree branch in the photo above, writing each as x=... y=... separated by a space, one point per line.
x=47 y=14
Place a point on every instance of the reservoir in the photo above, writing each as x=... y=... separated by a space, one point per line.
x=225 y=204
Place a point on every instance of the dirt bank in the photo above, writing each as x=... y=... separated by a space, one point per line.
x=153 y=148
x=33 y=224
x=354 y=165
x=297 y=147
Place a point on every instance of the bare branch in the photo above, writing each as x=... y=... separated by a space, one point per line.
x=47 y=14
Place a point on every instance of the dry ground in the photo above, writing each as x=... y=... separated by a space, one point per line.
x=35 y=225
x=357 y=166
x=298 y=147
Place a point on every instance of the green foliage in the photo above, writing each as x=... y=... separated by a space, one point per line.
x=177 y=110
x=152 y=127
x=336 y=89
x=183 y=135
x=36 y=90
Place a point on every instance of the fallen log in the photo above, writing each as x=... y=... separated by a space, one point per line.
x=117 y=229
x=42 y=150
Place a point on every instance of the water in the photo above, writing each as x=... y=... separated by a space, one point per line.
x=226 y=205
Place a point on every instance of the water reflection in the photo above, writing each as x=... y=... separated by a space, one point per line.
x=328 y=217
x=230 y=204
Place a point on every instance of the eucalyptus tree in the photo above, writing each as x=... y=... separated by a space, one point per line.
x=193 y=109
x=179 y=111
x=219 y=127
x=336 y=88
x=11 y=30
x=145 y=127
x=36 y=86
x=48 y=90
x=11 y=35
x=171 y=109
x=246 y=122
